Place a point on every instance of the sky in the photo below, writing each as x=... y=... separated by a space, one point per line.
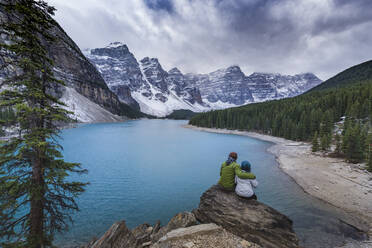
x=201 y=36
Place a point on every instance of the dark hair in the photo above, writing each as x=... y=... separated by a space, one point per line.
x=233 y=155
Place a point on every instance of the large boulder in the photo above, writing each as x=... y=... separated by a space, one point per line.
x=184 y=219
x=118 y=236
x=202 y=236
x=248 y=219
x=142 y=233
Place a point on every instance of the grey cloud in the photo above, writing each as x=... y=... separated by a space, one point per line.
x=285 y=36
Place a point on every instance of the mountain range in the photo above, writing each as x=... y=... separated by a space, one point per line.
x=146 y=86
x=110 y=84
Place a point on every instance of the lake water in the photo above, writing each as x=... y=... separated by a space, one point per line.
x=146 y=170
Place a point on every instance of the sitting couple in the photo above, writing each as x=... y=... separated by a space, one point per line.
x=240 y=178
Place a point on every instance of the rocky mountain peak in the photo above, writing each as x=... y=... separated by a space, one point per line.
x=114 y=50
x=264 y=74
x=234 y=69
x=154 y=62
x=155 y=73
x=117 y=44
x=308 y=75
x=160 y=92
x=175 y=71
x=229 y=72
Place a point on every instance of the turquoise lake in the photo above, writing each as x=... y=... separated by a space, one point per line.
x=148 y=170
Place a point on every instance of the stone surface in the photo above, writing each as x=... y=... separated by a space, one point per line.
x=202 y=236
x=147 y=244
x=156 y=227
x=142 y=233
x=190 y=231
x=188 y=245
x=184 y=219
x=118 y=236
x=248 y=219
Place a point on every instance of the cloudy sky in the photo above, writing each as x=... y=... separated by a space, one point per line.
x=284 y=36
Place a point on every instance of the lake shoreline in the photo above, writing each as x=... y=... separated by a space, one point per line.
x=332 y=180
x=13 y=133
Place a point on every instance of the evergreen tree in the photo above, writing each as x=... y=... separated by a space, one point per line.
x=35 y=197
x=369 y=152
x=369 y=164
x=315 y=143
x=352 y=144
x=338 y=149
x=329 y=140
x=325 y=142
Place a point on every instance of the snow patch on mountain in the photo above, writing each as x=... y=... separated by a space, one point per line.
x=85 y=110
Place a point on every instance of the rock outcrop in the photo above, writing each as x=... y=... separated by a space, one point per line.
x=226 y=221
x=184 y=219
x=142 y=233
x=202 y=236
x=118 y=236
x=248 y=219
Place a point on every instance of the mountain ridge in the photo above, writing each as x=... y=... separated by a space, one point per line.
x=360 y=73
x=159 y=92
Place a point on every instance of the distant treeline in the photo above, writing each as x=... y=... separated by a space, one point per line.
x=181 y=114
x=303 y=117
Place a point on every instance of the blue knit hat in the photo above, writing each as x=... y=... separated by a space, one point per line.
x=246 y=166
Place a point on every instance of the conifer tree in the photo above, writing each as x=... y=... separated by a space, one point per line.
x=338 y=149
x=352 y=144
x=325 y=142
x=315 y=143
x=35 y=196
x=369 y=152
x=369 y=163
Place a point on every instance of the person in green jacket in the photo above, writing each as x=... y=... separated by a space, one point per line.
x=229 y=170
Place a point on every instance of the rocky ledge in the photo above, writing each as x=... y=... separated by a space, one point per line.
x=222 y=220
x=249 y=219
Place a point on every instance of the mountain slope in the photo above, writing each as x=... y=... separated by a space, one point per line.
x=76 y=70
x=145 y=85
x=85 y=110
x=79 y=74
x=357 y=74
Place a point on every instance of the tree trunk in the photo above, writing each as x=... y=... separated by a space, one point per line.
x=37 y=206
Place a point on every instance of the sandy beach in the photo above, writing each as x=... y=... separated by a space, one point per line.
x=343 y=185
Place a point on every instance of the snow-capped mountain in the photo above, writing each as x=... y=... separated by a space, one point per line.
x=145 y=85
x=266 y=86
x=223 y=88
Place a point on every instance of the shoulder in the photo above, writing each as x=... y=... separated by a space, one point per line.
x=235 y=164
